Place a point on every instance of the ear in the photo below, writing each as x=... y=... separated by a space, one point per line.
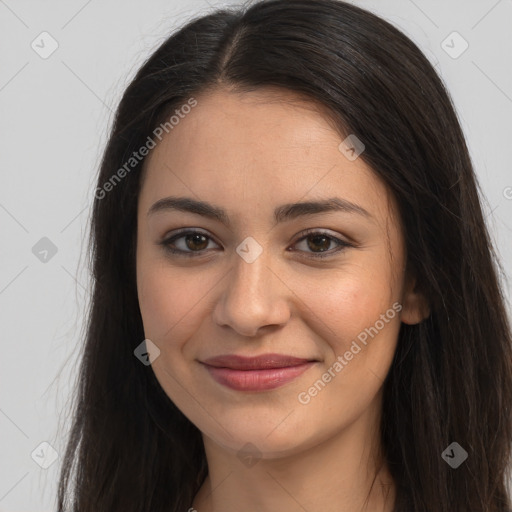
x=415 y=307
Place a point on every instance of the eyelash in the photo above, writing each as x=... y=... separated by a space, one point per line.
x=303 y=234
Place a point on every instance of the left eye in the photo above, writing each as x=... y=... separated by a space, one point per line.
x=194 y=243
x=322 y=241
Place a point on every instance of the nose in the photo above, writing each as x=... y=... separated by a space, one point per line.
x=254 y=297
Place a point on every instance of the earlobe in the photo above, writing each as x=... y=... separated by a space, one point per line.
x=415 y=306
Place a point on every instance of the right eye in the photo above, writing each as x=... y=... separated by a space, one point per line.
x=189 y=243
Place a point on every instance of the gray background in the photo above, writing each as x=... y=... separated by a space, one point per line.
x=55 y=117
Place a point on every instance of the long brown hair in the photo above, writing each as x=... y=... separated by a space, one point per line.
x=130 y=448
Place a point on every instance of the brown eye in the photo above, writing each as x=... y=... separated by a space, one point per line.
x=187 y=243
x=318 y=243
x=196 y=242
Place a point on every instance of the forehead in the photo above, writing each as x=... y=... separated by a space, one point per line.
x=258 y=149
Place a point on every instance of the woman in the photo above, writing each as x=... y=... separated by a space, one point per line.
x=296 y=303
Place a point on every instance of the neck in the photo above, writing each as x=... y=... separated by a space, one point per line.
x=342 y=473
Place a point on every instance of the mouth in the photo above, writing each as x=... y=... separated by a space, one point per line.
x=260 y=373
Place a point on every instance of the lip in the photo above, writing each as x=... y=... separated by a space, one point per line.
x=260 y=373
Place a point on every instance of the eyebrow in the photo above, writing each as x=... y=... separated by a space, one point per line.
x=282 y=213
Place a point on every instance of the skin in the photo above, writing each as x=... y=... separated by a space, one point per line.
x=249 y=153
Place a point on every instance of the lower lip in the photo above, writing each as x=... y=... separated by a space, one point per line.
x=257 y=380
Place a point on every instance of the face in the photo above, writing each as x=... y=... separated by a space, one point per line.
x=248 y=274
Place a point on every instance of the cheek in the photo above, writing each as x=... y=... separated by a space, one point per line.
x=168 y=301
x=351 y=302
x=359 y=316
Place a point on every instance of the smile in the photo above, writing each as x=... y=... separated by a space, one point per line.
x=260 y=373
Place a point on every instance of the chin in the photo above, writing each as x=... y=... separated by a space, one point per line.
x=265 y=439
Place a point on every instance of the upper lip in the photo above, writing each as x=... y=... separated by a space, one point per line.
x=264 y=361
